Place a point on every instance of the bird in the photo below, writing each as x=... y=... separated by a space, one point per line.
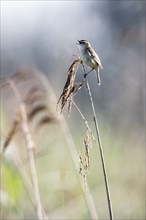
x=89 y=57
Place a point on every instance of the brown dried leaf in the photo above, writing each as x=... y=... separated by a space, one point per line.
x=47 y=120
x=35 y=110
x=67 y=91
x=87 y=144
x=11 y=134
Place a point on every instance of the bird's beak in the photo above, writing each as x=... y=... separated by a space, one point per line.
x=78 y=42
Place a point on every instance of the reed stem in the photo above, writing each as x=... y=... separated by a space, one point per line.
x=101 y=152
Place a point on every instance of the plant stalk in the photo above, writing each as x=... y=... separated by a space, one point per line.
x=30 y=148
x=101 y=153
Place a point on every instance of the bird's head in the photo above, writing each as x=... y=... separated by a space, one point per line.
x=83 y=43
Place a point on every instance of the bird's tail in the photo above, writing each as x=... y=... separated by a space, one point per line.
x=98 y=76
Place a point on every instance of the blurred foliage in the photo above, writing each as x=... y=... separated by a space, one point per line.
x=59 y=186
x=11 y=183
x=11 y=191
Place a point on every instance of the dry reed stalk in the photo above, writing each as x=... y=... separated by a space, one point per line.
x=87 y=144
x=69 y=87
x=85 y=81
x=29 y=104
x=82 y=171
x=25 y=113
x=101 y=153
x=84 y=119
x=30 y=149
x=74 y=156
x=27 y=183
x=84 y=163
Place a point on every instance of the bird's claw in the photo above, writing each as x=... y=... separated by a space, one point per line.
x=85 y=75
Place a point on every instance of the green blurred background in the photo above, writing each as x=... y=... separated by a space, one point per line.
x=43 y=34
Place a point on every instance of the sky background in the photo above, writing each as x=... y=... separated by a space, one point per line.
x=43 y=34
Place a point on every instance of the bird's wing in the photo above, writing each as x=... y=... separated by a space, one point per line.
x=94 y=56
